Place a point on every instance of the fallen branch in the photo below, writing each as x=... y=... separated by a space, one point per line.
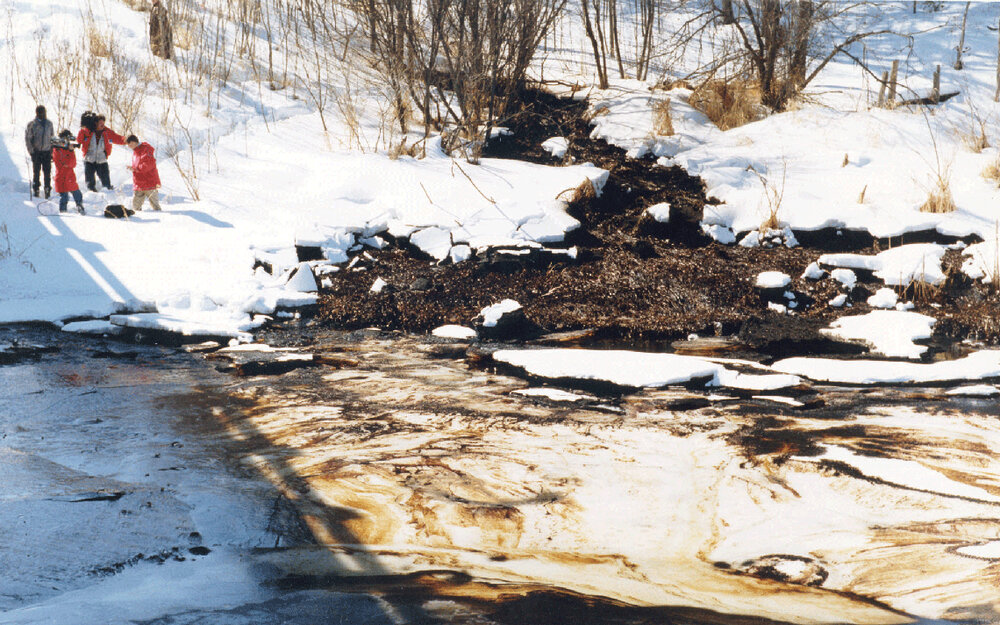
x=929 y=101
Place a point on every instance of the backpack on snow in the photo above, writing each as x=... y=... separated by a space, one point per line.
x=117 y=211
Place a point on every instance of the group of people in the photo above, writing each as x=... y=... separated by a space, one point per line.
x=95 y=141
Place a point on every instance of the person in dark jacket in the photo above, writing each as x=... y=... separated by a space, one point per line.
x=38 y=140
x=64 y=155
x=95 y=144
x=161 y=36
x=145 y=177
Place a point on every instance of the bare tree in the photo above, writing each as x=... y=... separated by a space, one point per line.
x=647 y=20
x=778 y=39
x=468 y=58
x=996 y=95
x=595 y=33
x=726 y=12
x=961 y=38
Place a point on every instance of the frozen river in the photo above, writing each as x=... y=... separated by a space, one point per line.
x=395 y=484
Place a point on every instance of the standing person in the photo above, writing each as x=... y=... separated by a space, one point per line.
x=95 y=141
x=38 y=139
x=161 y=36
x=145 y=177
x=64 y=155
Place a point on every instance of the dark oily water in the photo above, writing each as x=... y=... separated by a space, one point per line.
x=394 y=483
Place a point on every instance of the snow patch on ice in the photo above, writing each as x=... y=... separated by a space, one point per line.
x=454 y=332
x=888 y=332
x=976 y=366
x=975 y=390
x=906 y=473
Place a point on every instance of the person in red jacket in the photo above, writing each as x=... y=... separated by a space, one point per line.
x=145 y=177
x=95 y=141
x=64 y=157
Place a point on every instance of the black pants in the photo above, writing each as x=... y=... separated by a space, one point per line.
x=101 y=170
x=41 y=162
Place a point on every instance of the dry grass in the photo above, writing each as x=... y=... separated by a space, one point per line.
x=585 y=192
x=662 y=125
x=919 y=291
x=728 y=103
x=99 y=44
x=137 y=5
x=976 y=140
x=773 y=196
x=184 y=35
x=992 y=172
x=940 y=199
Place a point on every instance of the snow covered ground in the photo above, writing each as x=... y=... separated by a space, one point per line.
x=248 y=175
x=822 y=155
x=266 y=183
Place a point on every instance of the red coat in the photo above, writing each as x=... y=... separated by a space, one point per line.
x=145 y=177
x=65 y=161
x=110 y=136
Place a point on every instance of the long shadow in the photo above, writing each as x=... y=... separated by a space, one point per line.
x=204 y=218
x=45 y=257
x=338 y=559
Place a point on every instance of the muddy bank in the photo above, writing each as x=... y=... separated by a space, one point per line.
x=632 y=279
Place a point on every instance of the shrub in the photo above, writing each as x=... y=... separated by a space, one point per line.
x=662 y=124
x=98 y=43
x=940 y=199
x=992 y=172
x=728 y=103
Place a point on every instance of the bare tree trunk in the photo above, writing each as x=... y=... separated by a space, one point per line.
x=648 y=20
x=893 y=75
x=800 y=45
x=727 y=12
x=602 y=71
x=996 y=96
x=936 y=88
x=881 y=91
x=773 y=39
x=613 y=27
x=961 y=40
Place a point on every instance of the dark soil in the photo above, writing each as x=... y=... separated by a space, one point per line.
x=634 y=281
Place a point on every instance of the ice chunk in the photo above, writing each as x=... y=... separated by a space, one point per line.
x=844 y=276
x=813 y=272
x=492 y=314
x=454 y=332
x=883 y=298
x=660 y=212
x=772 y=280
x=303 y=280
x=556 y=146
x=435 y=242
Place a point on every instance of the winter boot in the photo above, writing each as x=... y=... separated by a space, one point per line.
x=79 y=209
x=48 y=192
x=34 y=191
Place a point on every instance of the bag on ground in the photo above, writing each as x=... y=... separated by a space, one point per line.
x=117 y=211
